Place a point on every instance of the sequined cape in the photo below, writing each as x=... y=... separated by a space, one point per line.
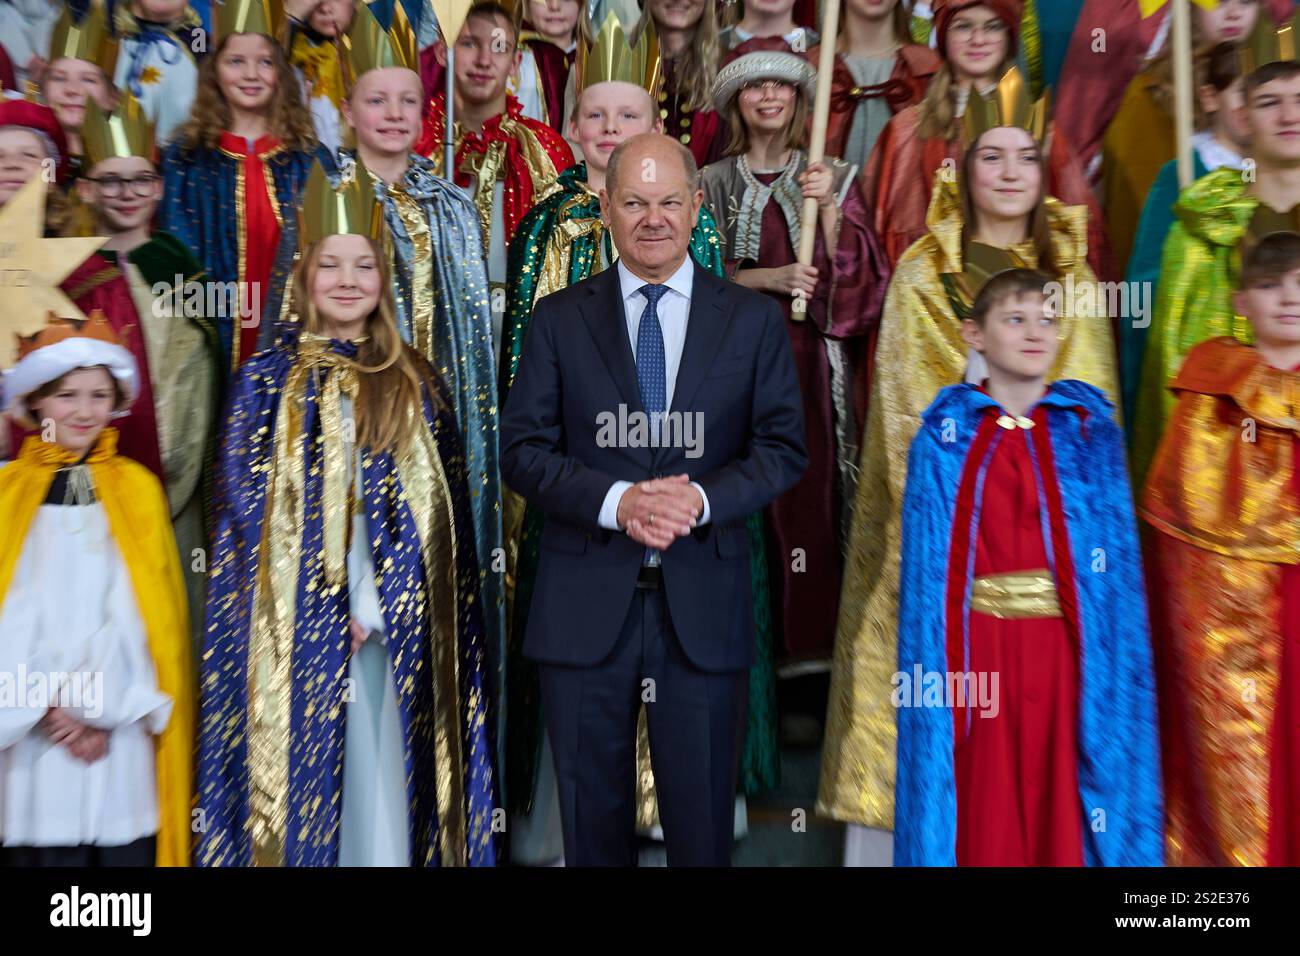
x=276 y=640
x=919 y=351
x=1198 y=274
x=203 y=207
x=1226 y=524
x=1083 y=481
x=558 y=243
x=443 y=309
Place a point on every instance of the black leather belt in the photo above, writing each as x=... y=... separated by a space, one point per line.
x=651 y=578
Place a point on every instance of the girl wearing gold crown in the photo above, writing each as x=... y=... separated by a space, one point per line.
x=96 y=727
x=80 y=69
x=238 y=164
x=756 y=195
x=436 y=263
x=996 y=216
x=977 y=41
x=346 y=703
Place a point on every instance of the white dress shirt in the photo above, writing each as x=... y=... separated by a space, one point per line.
x=674 y=311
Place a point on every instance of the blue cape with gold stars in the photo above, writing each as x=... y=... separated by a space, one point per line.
x=276 y=646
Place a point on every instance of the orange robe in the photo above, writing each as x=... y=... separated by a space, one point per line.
x=1223 y=504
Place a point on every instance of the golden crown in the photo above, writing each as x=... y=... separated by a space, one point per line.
x=90 y=39
x=350 y=208
x=1010 y=104
x=125 y=132
x=1269 y=42
x=368 y=46
x=246 y=16
x=57 y=329
x=617 y=43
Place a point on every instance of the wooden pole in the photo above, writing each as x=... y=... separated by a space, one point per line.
x=449 y=133
x=1181 y=38
x=830 y=28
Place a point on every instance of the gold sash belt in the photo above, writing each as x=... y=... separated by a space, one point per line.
x=1019 y=594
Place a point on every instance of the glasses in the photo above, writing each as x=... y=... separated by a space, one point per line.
x=112 y=186
x=965 y=29
x=760 y=87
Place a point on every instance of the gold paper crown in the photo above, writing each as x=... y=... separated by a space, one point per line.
x=89 y=40
x=246 y=16
x=617 y=43
x=1269 y=43
x=57 y=329
x=347 y=209
x=1010 y=104
x=123 y=133
x=367 y=46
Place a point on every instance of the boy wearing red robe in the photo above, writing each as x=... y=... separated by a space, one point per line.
x=1027 y=719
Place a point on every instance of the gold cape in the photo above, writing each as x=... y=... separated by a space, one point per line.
x=140 y=522
x=919 y=351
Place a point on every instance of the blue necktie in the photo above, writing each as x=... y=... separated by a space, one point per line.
x=652 y=369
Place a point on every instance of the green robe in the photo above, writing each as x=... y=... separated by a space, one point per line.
x=1198 y=276
x=567 y=223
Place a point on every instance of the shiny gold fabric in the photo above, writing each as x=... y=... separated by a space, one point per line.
x=1016 y=595
x=919 y=351
x=1219 y=495
x=275 y=596
x=417 y=227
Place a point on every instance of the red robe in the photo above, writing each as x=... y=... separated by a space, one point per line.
x=913 y=68
x=702 y=131
x=807 y=516
x=1017 y=767
x=900 y=173
x=261 y=228
x=97 y=284
x=553 y=67
x=522 y=137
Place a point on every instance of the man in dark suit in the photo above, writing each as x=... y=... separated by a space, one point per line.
x=655 y=407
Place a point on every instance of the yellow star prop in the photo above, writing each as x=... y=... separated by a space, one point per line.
x=31 y=268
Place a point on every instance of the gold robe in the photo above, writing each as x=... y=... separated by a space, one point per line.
x=919 y=351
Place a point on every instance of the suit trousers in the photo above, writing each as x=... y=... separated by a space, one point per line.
x=696 y=723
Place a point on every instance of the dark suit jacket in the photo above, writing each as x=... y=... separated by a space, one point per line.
x=738 y=372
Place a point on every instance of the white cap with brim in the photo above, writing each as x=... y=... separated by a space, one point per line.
x=51 y=362
x=758 y=66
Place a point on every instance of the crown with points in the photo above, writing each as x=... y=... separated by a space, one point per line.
x=1010 y=104
x=368 y=46
x=89 y=39
x=57 y=329
x=246 y=16
x=125 y=132
x=617 y=43
x=349 y=208
x=1269 y=42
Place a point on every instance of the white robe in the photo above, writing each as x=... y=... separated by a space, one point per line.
x=169 y=81
x=71 y=611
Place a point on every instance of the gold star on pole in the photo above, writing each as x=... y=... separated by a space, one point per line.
x=31 y=268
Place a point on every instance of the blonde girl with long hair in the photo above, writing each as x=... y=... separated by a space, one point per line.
x=344 y=636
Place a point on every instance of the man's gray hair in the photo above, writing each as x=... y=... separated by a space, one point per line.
x=683 y=153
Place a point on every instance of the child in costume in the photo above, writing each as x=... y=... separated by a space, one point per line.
x=1025 y=692
x=234 y=171
x=548 y=41
x=347 y=708
x=80 y=71
x=1223 y=505
x=690 y=53
x=96 y=772
x=162 y=43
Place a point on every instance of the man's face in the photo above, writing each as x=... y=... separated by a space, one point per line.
x=607 y=114
x=1020 y=336
x=1273 y=111
x=384 y=109
x=1273 y=308
x=651 y=209
x=125 y=191
x=21 y=154
x=69 y=83
x=486 y=55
